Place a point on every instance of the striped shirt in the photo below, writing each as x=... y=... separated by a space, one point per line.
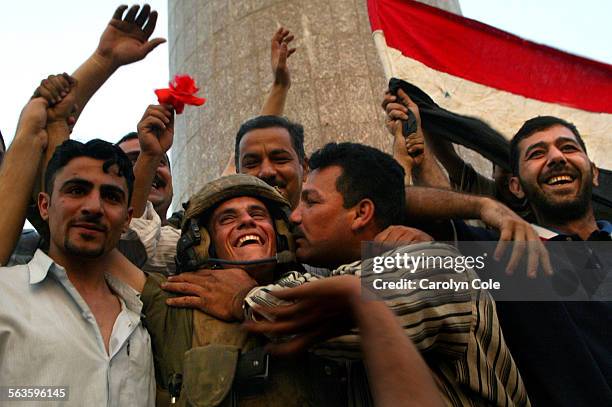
x=457 y=331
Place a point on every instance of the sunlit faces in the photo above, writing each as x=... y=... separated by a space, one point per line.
x=269 y=155
x=322 y=225
x=555 y=174
x=87 y=210
x=242 y=229
x=161 y=190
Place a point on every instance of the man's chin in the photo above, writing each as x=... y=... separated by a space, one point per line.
x=83 y=251
x=251 y=253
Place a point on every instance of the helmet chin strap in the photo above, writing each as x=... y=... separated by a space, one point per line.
x=283 y=257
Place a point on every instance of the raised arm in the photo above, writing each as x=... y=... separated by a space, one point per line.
x=19 y=171
x=60 y=93
x=124 y=41
x=274 y=105
x=280 y=52
x=155 y=135
x=413 y=153
x=437 y=149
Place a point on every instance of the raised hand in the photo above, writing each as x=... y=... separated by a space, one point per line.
x=59 y=91
x=412 y=147
x=156 y=130
x=126 y=38
x=279 y=54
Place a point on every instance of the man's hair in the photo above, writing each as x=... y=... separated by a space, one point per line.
x=133 y=135
x=295 y=130
x=535 y=125
x=130 y=136
x=97 y=149
x=366 y=173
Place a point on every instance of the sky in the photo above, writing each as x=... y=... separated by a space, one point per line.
x=41 y=37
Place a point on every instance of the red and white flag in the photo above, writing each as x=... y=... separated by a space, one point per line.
x=474 y=69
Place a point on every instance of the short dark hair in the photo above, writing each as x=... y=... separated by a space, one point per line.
x=133 y=135
x=130 y=136
x=366 y=173
x=534 y=125
x=295 y=130
x=97 y=149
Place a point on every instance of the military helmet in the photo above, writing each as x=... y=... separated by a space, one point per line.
x=193 y=248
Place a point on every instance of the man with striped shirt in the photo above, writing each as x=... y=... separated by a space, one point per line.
x=352 y=194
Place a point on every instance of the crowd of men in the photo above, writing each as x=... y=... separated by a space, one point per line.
x=258 y=293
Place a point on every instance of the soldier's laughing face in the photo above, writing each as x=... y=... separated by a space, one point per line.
x=242 y=229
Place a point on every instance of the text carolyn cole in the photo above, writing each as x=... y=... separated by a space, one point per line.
x=426 y=284
x=412 y=263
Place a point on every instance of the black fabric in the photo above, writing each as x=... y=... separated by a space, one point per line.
x=602 y=195
x=470 y=132
x=476 y=135
x=563 y=350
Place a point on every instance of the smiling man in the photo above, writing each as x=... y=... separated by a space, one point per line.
x=272 y=149
x=552 y=340
x=161 y=187
x=552 y=170
x=64 y=309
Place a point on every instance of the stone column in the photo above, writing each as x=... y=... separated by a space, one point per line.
x=337 y=79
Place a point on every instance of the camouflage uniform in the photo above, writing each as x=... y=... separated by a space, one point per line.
x=220 y=363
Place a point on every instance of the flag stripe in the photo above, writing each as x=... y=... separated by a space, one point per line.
x=483 y=54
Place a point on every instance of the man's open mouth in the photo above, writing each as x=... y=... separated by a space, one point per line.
x=560 y=179
x=247 y=240
x=158 y=183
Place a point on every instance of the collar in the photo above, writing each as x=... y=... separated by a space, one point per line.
x=39 y=266
x=603 y=226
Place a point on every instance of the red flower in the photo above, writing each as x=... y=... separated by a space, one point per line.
x=181 y=92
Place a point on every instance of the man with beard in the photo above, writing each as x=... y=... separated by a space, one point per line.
x=553 y=341
x=63 y=312
x=552 y=170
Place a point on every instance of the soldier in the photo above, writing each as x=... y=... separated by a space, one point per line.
x=236 y=220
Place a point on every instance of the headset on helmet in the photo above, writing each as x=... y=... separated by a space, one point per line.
x=193 y=248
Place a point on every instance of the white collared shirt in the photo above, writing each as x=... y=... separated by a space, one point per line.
x=49 y=337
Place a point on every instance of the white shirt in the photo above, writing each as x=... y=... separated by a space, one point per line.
x=159 y=241
x=49 y=337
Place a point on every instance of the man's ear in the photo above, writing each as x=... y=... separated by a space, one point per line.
x=595 y=174
x=364 y=214
x=515 y=187
x=128 y=220
x=44 y=201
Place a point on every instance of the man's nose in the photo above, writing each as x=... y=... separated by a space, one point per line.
x=246 y=220
x=92 y=204
x=296 y=215
x=555 y=156
x=266 y=170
